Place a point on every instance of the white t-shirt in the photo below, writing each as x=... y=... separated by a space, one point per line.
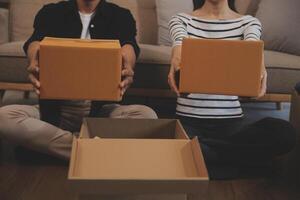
x=85 y=20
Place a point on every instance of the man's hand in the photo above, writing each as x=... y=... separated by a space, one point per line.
x=128 y=63
x=33 y=68
x=175 y=62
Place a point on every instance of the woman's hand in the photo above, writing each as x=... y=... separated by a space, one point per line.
x=33 y=68
x=263 y=88
x=175 y=66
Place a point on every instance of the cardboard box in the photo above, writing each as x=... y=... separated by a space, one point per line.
x=134 y=157
x=74 y=69
x=221 y=67
x=132 y=129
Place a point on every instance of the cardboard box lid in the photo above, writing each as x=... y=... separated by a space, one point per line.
x=132 y=128
x=113 y=166
x=80 y=43
x=75 y=69
x=221 y=67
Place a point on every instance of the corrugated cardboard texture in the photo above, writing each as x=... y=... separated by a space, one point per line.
x=132 y=166
x=221 y=67
x=80 y=69
x=135 y=159
x=132 y=128
x=135 y=197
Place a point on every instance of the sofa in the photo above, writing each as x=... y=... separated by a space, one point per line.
x=16 y=19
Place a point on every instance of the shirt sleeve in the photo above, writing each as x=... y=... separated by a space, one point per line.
x=40 y=28
x=178 y=29
x=128 y=31
x=253 y=30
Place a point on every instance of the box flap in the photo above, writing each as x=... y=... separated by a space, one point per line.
x=102 y=166
x=80 y=43
x=132 y=128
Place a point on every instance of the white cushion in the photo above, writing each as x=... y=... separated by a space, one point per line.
x=165 y=10
x=155 y=54
x=3 y=25
x=12 y=49
x=22 y=14
x=281 y=30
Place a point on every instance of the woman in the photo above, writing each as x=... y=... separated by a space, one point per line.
x=218 y=119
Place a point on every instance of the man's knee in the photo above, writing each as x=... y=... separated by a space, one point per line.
x=146 y=112
x=138 y=112
x=5 y=116
x=11 y=115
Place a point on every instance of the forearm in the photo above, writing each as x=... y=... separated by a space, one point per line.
x=129 y=57
x=32 y=52
x=176 y=56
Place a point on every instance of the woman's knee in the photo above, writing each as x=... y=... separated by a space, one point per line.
x=283 y=133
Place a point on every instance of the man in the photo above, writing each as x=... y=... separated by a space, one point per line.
x=49 y=128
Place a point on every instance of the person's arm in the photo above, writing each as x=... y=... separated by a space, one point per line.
x=178 y=31
x=32 y=46
x=130 y=49
x=33 y=68
x=129 y=59
x=253 y=33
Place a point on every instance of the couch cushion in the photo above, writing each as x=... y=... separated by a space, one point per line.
x=247 y=6
x=281 y=30
x=165 y=10
x=148 y=21
x=13 y=63
x=22 y=13
x=144 y=12
x=155 y=54
x=283 y=71
x=14 y=49
x=3 y=25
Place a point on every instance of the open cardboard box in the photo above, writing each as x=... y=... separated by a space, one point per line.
x=75 y=69
x=221 y=67
x=136 y=156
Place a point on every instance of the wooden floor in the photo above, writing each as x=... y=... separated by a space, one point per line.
x=25 y=175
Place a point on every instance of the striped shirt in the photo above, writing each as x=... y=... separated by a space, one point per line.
x=184 y=25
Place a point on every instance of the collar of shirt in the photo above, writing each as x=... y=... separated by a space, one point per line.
x=102 y=9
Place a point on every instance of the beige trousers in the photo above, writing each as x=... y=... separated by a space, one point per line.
x=22 y=125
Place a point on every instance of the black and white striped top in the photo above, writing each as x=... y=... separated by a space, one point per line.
x=184 y=25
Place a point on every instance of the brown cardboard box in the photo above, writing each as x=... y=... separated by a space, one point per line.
x=221 y=67
x=74 y=69
x=136 y=158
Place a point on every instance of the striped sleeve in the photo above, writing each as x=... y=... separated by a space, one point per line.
x=253 y=30
x=178 y=29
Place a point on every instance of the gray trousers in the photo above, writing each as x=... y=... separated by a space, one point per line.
x=22 y=125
